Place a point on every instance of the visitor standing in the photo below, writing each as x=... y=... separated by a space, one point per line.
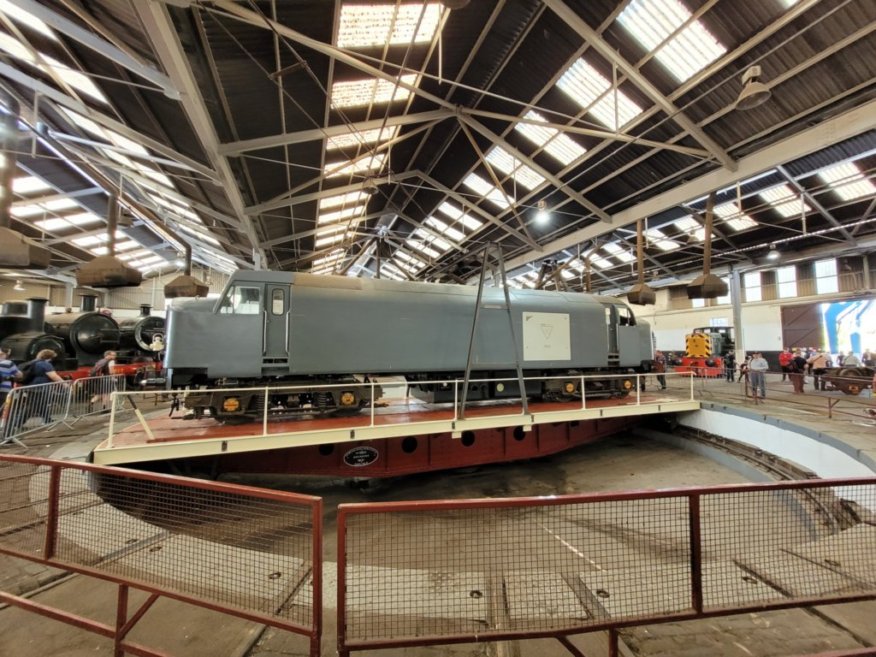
x=757 y=375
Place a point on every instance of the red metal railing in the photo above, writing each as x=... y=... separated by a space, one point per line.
x=251 y=553
x=425 y=573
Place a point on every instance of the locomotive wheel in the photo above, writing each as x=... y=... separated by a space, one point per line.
x=849 y=387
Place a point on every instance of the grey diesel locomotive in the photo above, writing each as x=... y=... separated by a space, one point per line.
x=283 y=328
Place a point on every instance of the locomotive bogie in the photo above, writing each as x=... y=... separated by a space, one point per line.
x=292 y=400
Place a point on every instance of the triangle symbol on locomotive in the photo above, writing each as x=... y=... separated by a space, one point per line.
x=546 y=330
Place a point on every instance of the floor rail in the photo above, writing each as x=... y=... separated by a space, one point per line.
x=251 y=553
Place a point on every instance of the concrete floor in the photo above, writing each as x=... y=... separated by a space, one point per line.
x=622 y=463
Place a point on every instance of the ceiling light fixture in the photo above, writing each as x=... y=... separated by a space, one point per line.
x=754 y=92
x=542 y=216
x=773 y=253
x=18 y=287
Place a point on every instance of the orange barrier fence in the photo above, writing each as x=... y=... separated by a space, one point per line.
x=251 y=553
x=426 y=573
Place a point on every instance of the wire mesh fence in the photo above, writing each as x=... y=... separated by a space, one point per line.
x=243 y=551
x=433 y=572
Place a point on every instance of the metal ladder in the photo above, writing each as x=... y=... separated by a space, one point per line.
x=500 y=260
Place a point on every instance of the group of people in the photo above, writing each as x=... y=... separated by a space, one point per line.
x=41 y=371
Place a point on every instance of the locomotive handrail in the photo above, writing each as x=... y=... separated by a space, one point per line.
x=448 y=417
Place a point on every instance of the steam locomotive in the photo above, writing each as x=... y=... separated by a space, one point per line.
x=81 y=338
x=283 y=329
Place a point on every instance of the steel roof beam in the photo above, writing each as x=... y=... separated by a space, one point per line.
x=831 y=131
x=166 y=44
x=591 y=36
x=815 y=204
x=314 y=134
x=540 y=170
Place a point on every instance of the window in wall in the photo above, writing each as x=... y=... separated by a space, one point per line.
x=786 y=277
x=826 y=279
x=698 y=303
x=751 y=282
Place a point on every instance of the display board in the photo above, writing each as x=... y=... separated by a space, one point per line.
x=546 y=336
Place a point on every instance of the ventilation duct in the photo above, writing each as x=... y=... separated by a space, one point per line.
x=186 y=285
x=707 y=286
x=641 y=293
x=107 y=270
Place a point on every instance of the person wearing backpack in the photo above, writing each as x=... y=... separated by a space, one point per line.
x=34 y=373
x=103 y=367
x=9 y=373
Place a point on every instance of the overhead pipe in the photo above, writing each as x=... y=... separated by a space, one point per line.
x=641 y=293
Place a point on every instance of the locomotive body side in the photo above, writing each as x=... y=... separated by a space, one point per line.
x=276 y=324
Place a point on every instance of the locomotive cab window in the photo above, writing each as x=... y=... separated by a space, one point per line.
x=278 y=301
x=625 y=316
x=241 y=300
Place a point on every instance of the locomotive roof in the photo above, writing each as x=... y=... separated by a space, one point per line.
x=346 y=282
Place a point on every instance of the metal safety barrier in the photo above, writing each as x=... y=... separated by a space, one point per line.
x=37 y=407
x=241 y=551
x=32 y=408
x=428 y=573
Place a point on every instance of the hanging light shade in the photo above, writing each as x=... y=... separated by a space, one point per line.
x=753 y=92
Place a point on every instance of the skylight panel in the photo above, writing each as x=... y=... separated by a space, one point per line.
x=692 y=227
x=363 y=26
x=651 y=22
x=373 y=163
x=554 y=142
x=454 y=213
x=785 y=201
x=480 y=186
x=422 y=247
x=618 y=252
x=415 y=263
x=353 y=139
x=502 y=160
x=329 y=258
x=88 y=240
x=29 y=185
x=58 y=204
x=340 y=215
x=847 y=180
x=11 y=45
x=734 y=217
x=433 y=240
x=593 y=92
x=360 y=93
x=86 y=124
x=326 y=240
x=601 y=263
x=26 y=18
x=74 y=78
x=52 y=225
x=126 y=245
x=83 y=218
x=350 y=198
x=199 y=234
x=444 y=229
x=658 y=238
